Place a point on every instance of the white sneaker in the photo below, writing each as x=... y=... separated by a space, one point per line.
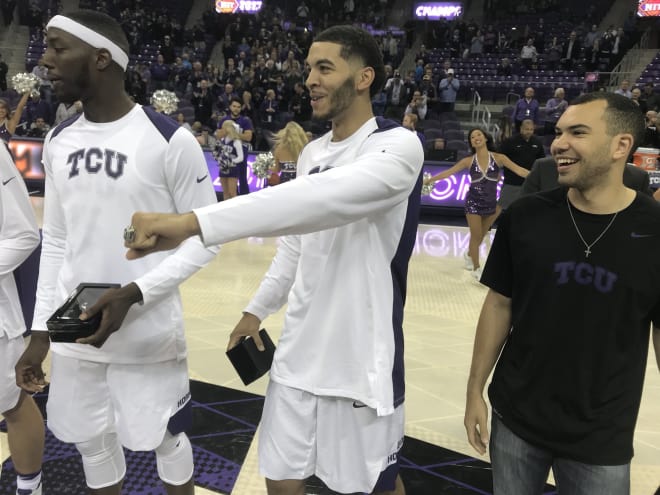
x=468 y=262
x=36 y=491
x=476 y=273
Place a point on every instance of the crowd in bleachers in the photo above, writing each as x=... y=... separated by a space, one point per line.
x=543 y=48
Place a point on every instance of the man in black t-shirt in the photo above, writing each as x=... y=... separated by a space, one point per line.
x=572 y=296
x=523 y=149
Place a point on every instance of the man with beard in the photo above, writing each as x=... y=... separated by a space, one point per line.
x=334 y=405
x=130 y=388
x=573 y=294
x=245 y=131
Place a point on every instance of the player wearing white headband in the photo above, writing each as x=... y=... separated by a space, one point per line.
x=131 y=389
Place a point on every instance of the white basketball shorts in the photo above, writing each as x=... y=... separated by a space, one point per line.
x=10 y=351
x=342 y=441
x=137 y=401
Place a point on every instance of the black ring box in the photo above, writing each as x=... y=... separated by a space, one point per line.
x=250 y=362
x=65 y=324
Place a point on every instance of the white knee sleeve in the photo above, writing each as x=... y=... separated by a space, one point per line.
x=103 y=461
x=174 y=458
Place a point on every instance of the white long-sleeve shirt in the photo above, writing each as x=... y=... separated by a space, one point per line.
x=19 y=236
x=97 y=176
x=342 y=269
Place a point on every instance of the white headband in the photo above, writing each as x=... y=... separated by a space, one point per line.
x=90 y=37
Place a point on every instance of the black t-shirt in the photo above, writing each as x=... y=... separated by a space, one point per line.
x=522 y=153
x=570 y=375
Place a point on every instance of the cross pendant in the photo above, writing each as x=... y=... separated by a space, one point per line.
x=587 y=252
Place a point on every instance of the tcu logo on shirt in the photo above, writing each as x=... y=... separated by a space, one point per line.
x=94 y=160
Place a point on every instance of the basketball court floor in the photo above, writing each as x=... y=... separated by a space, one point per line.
x=441 y=313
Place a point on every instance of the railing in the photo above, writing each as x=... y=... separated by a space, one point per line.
x=481 y=114
x=476 y=106
x=626 y=68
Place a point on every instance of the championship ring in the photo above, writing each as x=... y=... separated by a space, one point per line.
x=129 y=234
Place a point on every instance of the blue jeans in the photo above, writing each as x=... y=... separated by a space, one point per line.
x=520 y=468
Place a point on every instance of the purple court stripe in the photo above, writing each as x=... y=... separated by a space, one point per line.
x=219 y=413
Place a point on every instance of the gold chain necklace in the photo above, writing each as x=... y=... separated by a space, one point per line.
x=587 y=251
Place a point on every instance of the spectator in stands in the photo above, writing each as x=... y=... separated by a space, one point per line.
x=9 y=121
x=39 y=128
x=390 y=49
x=571 y=52
x=528 y=54
x=427 y=88
x=4 y=69
x=181 y=120
x=246 y=133
x=417 y=106
x=7 y=7
x=526 y=108
x=554 y=107
x=591 y=36
x=269 y=111
x=553 y=54
x=410 y=122
x=202 y=101
x=199 y=37
x=448 y=91
x=45 y=87
x=37 y=108
x=230 y=72
x=650 y=98
x=503 y=42
x=179 y=75
x=167 y=50
x=477 y=45
x=160 y=74
x=490 y=39
x=624 y=89
x=226 y=97
x=523 y=148
x=504 y=68
x=419 y=71
x=651 y=134
x=396 y=96
x=67 y=110
x=301 y=105
x=620 y=43
x=135 y=87
x=444 y=70
x=635 y=95
x=247 y=106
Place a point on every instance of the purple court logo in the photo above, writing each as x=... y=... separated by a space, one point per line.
x=437 y=10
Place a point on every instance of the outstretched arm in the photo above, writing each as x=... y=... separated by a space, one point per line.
x=13 y=122
x=514 y=167
x=460 y=165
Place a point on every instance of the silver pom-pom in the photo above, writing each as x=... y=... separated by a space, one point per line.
x=262 y=165
x=25 y=82
x=164 y=101
x=427 y=185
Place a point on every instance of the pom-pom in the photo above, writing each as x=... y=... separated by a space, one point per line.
x=25 y=83
x=164 y=101
x=262 y=165
x=427 y=185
